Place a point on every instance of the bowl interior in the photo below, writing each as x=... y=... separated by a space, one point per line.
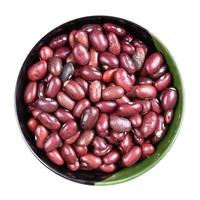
x=94 y=177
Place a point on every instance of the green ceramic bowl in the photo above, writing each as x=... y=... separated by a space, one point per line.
x=93 y=177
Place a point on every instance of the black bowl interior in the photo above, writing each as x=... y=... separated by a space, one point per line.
x=86 y=177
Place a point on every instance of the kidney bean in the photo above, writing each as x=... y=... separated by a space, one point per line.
x=45 y=53
x=136 y=120
x=168 y=116
x=98 y=40
x=72 y=38
x=144 y=81
x=128 y=37
x=91 y=161
x=82 y=38
x=132 y=156
x=55 y=157
x=120 y=124
x=155 y=106
x=138 y=140
x=90 y=27
x=55 y=66
x=146 y=105
x=83 y=83
x=52 y=142
x=102 y=123
x=118 y=30
x=138 y=132
x=163 y=82
x=58 y=41
x=67 y=72
x=129 y=109
x=99 y=143
x=107 y=58
x=89 y=118
x=147 y=149
x=139 y=57
x=80 y=151
x=47 y=104
x=62 y=52
x=81 y=54
x=124 y=99
x=112 y=93
x=108 y=75
x=107 y=168
x=112 y=157
x=127 y=48
x=74 y=90
x=70 y=59
x=68 y=154
x=160 y=72
x=40 y=89
x=80 y=107
x=169 y=99
x=122 y=79
x=32 y=124
x=90 y=73
x=73 y=138
x=116 y=136
x=30 y=93
x=65 y=101
x=93 y=58
x=37 y=70
x=154 y=62
x=49 y=121
x=95 y=91
x=53 y=87
x=133 y=79
x=35 y=112
x=68 y=129
x=63 y=115
x=47 y=78
x=86 y=138
x=103 y=134
x=41 y=134
x=111 y=140
x=114 y=46
x=74 y=167
x=102 y=152
x=126 y=144
x=127 y=63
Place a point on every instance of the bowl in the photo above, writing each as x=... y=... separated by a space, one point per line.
x=94 y=177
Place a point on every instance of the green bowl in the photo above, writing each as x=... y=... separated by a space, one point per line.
x=95 y=177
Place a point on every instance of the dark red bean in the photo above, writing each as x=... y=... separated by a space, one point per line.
x=102 y=123
x=127 y=47
x=63 y=115
x=168 y=116
x=83 y=83
x=144 y=81
x=81 y=54
x=37 y=70
x=67 y=72
x=114 y=46
x=41 y=134
x=91 y=161
x=53 y=87
x=95 y=91
x=58 y=41
x=86 y=138
x=106 y=106
x=80 y=107
x=74 y=167
x=108 y=75
x=70 y=59
x=68 y=154
x=55 y=157
x=47 y=104
x=138 y=140
x=35 y=112
x=52 y=142
x=128 y=37
x=124 y=99
x=62 y=52
x=126 y=144
x=55 y=66
x=65 y=101
x=136 y=120
x=80 y=151
x=73 y=138
x=112 y=157
x=132 y=156
x=120 y=124
x=107 y=168
x=99 y=143
x=103 y=134
x=139 y=57
x=93 y=58
x=30 y=92
x=169 y=99
x=72 y=38
x=82 y=38
x=147 y=149
x=98 y=40
x=163 y=82
x=41 y=88
x=146 y=105
x=90 y=27
x=90 y=73
x=160 y=72
x=118 y=30
x=127 y=63
x=107 y=58
x=102 y=152
x=68 y=129
x=49 y=121
x=32 y=124
x=155 y=106
x=116 y=136
x=112 y=93
x=89 y=118
x=45 y=53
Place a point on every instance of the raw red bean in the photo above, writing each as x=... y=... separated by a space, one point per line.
x=41 y=88
x=30 y=93
x=70 y=59
x=52 y=142
x=132 y=156
x=107 y=58
x=144 y=81
x=147 y=149
x=112 y=93
x=146 y=105
x=67 y=72
x=139 y=57
x=53 y=87
x=37 y=70
x=169 y=99
x=65 y=101
x=136 y=120
x=107 y=168
x=155 y=106
x=82 y=38
x=74 y=167
x=112 y=157
x=122 y=79
x=160 y=72
x=85 y=138
x=120 y=124
x=89 y=118
x=128 y=37
x=124 y=99
x=90 y=27
x=47 y=104
x=74 y=90
x=116 y=136
x=68 y=154
x=138 y=140
x=36 y=112
x=98 y=40
x=80 y=151
x=80 y=107
x=93 y=58
x=45 y=53
x=163 y=82
x=58 y=41
x=127 y=48
x=73 y=138
x=81 y=54
x=168 y=116
x=102 y=123
x=127 y=63
x=118 y=30
x=106 y=106
x=72 y=38
x=126 y=144
x=90 y=73
x=55 y=157
x=62 y=52
x=99 y=143
x=103 y=134
x=49 y=121
x=133 y=79
x=41 y=134
x=55 y=66
x=114 y=46
x=68 y=129
x=95 y=91
x=102 y=152
x=83 y=83
x=91 y=161
x=108 y=75
x=32 y=124
x=63 y=115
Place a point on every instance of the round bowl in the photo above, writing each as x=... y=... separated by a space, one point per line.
x=94 y=177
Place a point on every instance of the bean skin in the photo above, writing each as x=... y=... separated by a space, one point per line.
x=90 y=27
x=124 y=99
x=72 y=38
x=82 y=38
x=163 y=82
x=95 y=91
x=83 y=83
x=112 y=157
x=68 y=154
x=53 y=87
x=67 y=72
x=160 y=72
x=114 y=46
x=80 y=150
x=112 y=93
x=138 y=140
x=63 y=115
x=74 y=167
x=118 y=30
x=93 y=58
x=147 y=149
x=55 y=157
x=65 y=101
x=62 y=52
x=146 y=105
x=52 y=142
x=155 y=106
x=126 y=144
x=127 y=48
x=120 y=124
x=107 y=168
x=107 y=58
x=128 y=38
x=168 y=116
x=35 y=112
x=58 y=41
x=106 y=106
x=136 y=120
x=99 y=143
x=108 y=75
x=45 y=53
x=47 y=104
x=144 y=81
x=70 y=59
x=127 y=63
x=41 y=134
x=116 y=136
x=30 y=93
x=102 y=123
x=73 y=138
x=55 y=66
x=32 y=124
x=103 y=152
x=80 y=107
x=90 y=73
x=91 y=161
x=86 y=138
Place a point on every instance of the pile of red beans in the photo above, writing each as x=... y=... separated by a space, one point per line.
x=98 y=99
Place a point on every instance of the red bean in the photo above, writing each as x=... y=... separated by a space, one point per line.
x=102 y=152
x=68 y=129
x=112 y=157
x=91 y=161
x=127 y=47
x=63 y=115
x=155 y=106
x=73 y=138
x=146 y=105
x=74 y=167
x=90 y=73
x=116 y=136
x=147 y=149
x=118 y=30
x=90 y=27
x=99 y=143
x=112 y=93
x=37 y=70
x=80 y=107
x=36 y=112
x=83 y=83
x=127 y=63
x=55 y=157
x=132 y=156
x=102 y=123
x=55 y=66
x=72 y=38
x=95 y=91
x=108 y=75
x=107 y=168
x=138 y=140
x=124 y=99
x=120 y=124
x=80 y=151
x=40 y=90
x=32 y=124
x=144 y=81
x=126 y=144
x=163 y=82
x=136 y=120
x=128 y=37
x=89 y=118
x=65 y=101
x=70 y=59
x=45 y=53
x=62 y=52
x=93 y=58
x=53 y=87
x=58 y=41
x=106 y=106
x=168 y=116
x=67 y=72
x=103 y=134
x=86 y=138
x=47 y=104
x=98 y=40
x=30 y=93
x=52 y=142
x=107 y=58
x=49 y=121
x=82 y=38
x=160 y=72
x=41 y=134
x=68 y=154
x=81 y=54
x=114 y=46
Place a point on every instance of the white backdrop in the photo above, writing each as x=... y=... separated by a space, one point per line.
x=23 y=23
